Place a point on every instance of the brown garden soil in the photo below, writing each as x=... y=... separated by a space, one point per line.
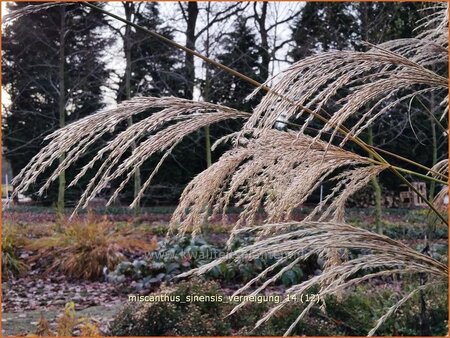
x=27 y=297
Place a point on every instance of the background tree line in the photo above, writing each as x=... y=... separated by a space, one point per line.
x=57 y=68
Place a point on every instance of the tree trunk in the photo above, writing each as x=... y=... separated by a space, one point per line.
x=363 y=13
x=433 y=146
x=206 y=90
x=62 y=104
x=192 y=14
x=127 y=47
x=265 y=55
x=191 y=37
x=377 y=193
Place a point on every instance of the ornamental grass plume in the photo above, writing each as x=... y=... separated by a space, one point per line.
x=279 y=169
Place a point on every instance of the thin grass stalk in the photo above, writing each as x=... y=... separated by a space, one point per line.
x=394 y=308
x=399 y=157
x=432 y=116
x=410 y=172
x=430 y=170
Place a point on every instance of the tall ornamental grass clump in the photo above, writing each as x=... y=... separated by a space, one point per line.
x=278 y=168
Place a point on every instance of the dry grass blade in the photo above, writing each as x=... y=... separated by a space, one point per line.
x=348 y=81
x=394 y=308
x=441 y=200
x=430 y=46
x=277 y=170
x=435 y=25
x=173 y=119
x=201 y=192
x=380 y=256
x=372 y=77
x=441 y=167
x=36 y=8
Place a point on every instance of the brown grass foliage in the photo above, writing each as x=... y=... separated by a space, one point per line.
x=85 y=246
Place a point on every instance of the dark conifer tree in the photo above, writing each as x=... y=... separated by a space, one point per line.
x=323 y=26
x=240 y=52
x=33 y=72
x=155 y=66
